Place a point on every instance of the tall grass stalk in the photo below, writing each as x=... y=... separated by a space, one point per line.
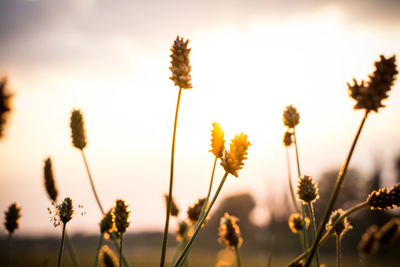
x=180 y=246
x=9 y=250
x=335 y=192
x=96 y=261
x=237 y=257
x=330 y=231
x=171 y=181
x=120 y=250
x=200 y=223
x=338 y=252
x=293 y=196
x=209 y=189
x=314 y=228
x=62 y=245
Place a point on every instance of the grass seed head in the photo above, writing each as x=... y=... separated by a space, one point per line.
x=217 y=140
x=291 y=116
x=389 y=232
x=384 y=198
x=78 y=129
x=307 y=190
x=296 y=223
x=194 y=211
x=121 y=216
x=287 y=139
x=5 y=104
x=174 y=207
x=368 y=243
x=107 y=224
x=66 y=210
x=183 y=226
x=11 y=218
x=49 y=180
x=107 y=258
x=229 y=232
x=180 y=66
x=342 y=227
x=233 y=160
x=370 y=94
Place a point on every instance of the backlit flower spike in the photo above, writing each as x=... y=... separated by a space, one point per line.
x=194 y=211
x=342 y=227
x=291 y=117
x=12 y=216
x=307 y=190
x=217 y=140
x=389 y=232
x=107 y=225
x=369 y=94
x=5 y=104
x=233 y=160
x=107 y=257
x=180 y=66
x=121 y=216
x=287 y=139
x=296 y=223
x=384 y=198
x=368 y=243
x=229 y=232
x=174 y=207
x=78 y=129
x=49 y=180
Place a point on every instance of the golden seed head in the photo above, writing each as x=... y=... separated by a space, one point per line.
x=389 y=232
x=11 y=219
x=291 y=116
x=287 y=138
x=194 y=211
x=342 y=227
x=229 y=232
x=217 y=140
x=78 y=129
x=180 y=66
x=65 y=210
x=49 y=180
x=107 y=224
x=370 y=94
x=183 y=226
x=307 y=190
x=233 y=160
x=121 y=216
x=296 y=223
x=384 y=199
x=5 y=104
x=107 y=258
x=368 y=243
x=174 y=208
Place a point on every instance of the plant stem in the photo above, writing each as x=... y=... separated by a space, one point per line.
x=120 y=250
x=91 y=181
x=297 y=152
x=171 y=181
x=9 y=250
x=209 y=189
x=329 y=232
x=71 y=250
x=314 y=229
x=335 y=192
x=201 y=221
x=180 y=246
x=305 y=230
x=296 y=208
x=96 y=261
x=237 y=257
x=338 y=252
x=62 y=245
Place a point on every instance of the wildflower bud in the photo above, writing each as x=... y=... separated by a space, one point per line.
x=107 y=258
x=5 y=105
x=194 y=211
x=174 y=207
x=49 y=180
x=106 y=224
x=296 y=223
x=307 y=190
x=12 y=216
x=389 y=232
x=384 y=199
x=291 y=117
x=368 y=243
x=342 y=227
x=229 y=232
x=287 y=139
x=78 y=130
x=233 y=160
x=370 y=94
x=181 y=230
x=121 y=215
x=66 y=210
x=180 y=67
x=217 y=140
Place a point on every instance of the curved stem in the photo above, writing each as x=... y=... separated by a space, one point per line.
x=297 y=152
x=120 y=250
x=9 y=250
x=91 y=182
x=171 y=181
x=335 y=192
x=328 y=234
x=314 y=228
x=96 y=261
x=296 y=208
x=237 y=257
x=62 y=245
x=209 y=189
x=201 y=221
x=338 y=252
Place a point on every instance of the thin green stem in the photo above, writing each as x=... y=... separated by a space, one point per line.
x=71 y=250
x=237 y=257
x=338 y=252
x=201 y=221
x=209 y=189
x=9 y=250
x=305 y=230
x=171 y=181
x=296 y=208
x=96 y=261
x=314 y=229
x=297 y=152
x=62 y=245
x=329 y=232
x=120 y=250
x=91 y=182
x=180 y=246
x=335 y=193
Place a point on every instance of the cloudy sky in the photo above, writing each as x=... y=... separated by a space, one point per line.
x=249 y=59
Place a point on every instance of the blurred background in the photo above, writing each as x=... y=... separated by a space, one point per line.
x=249 y=60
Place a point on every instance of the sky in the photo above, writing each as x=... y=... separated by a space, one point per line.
x=249 y=60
